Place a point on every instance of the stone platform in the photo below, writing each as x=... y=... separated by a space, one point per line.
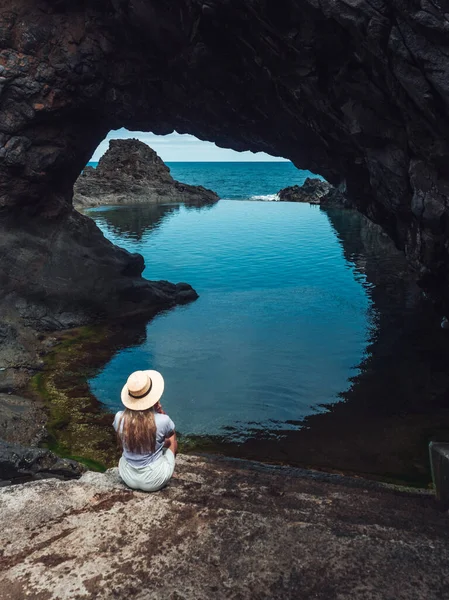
x=222 y=529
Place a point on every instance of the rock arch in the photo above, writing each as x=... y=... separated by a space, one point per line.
x=357 y=90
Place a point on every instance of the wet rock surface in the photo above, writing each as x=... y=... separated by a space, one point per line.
x=21 y=463
x=314 y=191
x=130 y=172
x=222 y=528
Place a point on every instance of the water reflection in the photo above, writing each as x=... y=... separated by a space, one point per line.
x=134 y=222
x=277 y=330
x=401 y=394
x=399 y=400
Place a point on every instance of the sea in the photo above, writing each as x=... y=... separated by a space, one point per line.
x=309 y=344
x=239 y=180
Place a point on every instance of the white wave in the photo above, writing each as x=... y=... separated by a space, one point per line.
x=266 y=198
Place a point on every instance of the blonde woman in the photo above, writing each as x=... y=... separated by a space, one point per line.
x=146 y=434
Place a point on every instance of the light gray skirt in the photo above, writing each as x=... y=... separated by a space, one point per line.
x=151 y=478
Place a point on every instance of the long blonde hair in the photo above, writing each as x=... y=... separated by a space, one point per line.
x=137 y=430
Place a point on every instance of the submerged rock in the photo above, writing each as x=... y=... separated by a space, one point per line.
x=131 y=172
x=314 y=191
x=21 y=463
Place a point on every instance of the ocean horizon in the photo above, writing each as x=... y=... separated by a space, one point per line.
x=239 y=180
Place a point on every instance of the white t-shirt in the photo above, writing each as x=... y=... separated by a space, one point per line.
x=164 y=427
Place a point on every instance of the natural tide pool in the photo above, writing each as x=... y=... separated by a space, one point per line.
x=309 y=344
x=281 y=323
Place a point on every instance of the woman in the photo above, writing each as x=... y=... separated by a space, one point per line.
x=146 y=433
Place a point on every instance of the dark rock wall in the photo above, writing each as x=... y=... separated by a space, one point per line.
x=355 y=90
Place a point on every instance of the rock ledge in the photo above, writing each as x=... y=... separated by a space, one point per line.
x=222 y=529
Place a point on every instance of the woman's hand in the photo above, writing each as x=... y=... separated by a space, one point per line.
x=158 y=408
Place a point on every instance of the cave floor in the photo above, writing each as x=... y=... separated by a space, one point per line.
x=223 y=528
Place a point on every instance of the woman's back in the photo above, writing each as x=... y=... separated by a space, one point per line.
x=164 y=428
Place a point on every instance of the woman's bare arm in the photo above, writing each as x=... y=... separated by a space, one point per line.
x=172 y=443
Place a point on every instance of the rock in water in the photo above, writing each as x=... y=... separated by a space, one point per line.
x=314 y=191
x=131 y=172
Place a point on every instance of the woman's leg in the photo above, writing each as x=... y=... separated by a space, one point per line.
x=157 y=477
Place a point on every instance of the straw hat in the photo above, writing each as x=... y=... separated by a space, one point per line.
x=142 y=390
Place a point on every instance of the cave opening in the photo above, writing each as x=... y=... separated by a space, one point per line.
x=334 y=87
x=310 y=344
x=328 y=88
x=322 y=289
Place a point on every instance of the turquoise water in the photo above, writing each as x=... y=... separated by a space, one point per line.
x=309 y=344
x=280 y=326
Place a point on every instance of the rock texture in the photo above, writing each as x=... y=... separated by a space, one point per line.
x=21 y=420
x=222 y=529
x=355 y=91
x=20 y=463
x=314 y=191
x=59 y=272
x=131 y=172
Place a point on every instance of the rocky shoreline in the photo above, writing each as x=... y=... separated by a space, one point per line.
x=34 y=411
x=59 y=272
x=130 y=172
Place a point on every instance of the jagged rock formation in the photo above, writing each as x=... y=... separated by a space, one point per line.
x=131 y=172
x=355 y=91
x=213 y=532
x=314 y=191
x=58 y=271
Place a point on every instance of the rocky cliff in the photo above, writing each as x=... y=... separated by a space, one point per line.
x=355 y=91
x=131 y=172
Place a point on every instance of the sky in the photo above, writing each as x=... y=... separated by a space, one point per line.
x=175 y=147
